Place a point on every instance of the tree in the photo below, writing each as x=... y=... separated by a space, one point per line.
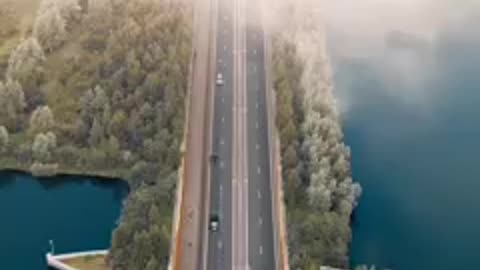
x=100 y=100
x=42 y=120
x=12 y=104
x=99 y=23
x=86 y=105
x=26 y=65
x=27 y=58
x=97 y=158
x=49 y=27
x=118 y=123
x=95 y=105
x=43 y=146
x=97 y=133
x=70 y=10
x=68 y=154
x=152 y=264
x=40 y=148
x=153 y=149
x=113 y=148
x=3 y=139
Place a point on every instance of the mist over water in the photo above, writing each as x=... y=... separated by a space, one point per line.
x=410 y=110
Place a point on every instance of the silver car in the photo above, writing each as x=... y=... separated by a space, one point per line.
x=219 y=79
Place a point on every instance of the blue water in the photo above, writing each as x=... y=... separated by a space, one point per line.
x=415 y=147
x=78 y=213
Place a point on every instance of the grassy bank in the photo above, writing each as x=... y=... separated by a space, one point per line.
x=88 y=263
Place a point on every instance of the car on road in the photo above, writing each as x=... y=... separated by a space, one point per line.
x=214 y=157
x=219 y=80
x=214 y=223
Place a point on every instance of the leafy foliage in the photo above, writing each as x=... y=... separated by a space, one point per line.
x=41 y=120
x=99 y=88
x=3 y=139
x=49 y=28
x=320 y=194
x=12 y=104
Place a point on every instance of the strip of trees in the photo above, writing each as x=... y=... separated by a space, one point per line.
x=99 y=88
x=319 y=192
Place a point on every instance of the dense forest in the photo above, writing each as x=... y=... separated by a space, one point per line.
x=98 y=87
x=319 y=192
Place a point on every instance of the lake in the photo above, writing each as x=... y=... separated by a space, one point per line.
x=411 y=117
x=78 y=213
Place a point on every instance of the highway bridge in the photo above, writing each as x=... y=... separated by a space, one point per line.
x=230 y=169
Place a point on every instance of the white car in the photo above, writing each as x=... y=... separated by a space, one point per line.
x=219 y=80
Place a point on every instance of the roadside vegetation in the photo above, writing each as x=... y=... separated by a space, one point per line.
x=97 y=87
x=320 y=194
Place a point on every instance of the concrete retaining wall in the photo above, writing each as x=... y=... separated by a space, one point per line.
x=55 y=261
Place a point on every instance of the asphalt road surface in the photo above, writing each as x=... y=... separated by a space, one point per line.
x=220 y=243
x=260 y=195
x=240 y=188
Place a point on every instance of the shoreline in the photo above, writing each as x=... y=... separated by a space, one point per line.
x=70 y=172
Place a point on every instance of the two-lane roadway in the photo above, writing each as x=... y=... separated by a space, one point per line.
x=260 y=194
x=220 y=242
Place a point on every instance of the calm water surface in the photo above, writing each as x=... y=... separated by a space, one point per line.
x=413 y=123
x=78 y=213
